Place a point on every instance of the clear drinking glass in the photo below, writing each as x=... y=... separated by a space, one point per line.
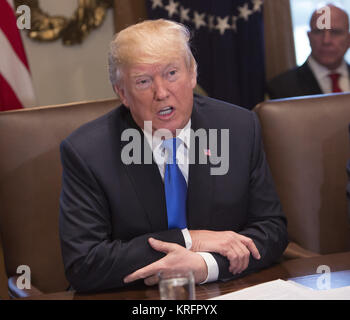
x=177 y=285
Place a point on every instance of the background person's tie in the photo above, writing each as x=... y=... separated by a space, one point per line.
x=335 y=82
x=175 y=187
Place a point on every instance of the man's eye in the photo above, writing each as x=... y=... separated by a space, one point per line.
x=143 y=83
x=172 y=74
x=333 y=32
x=317 y=31
x=337 y=32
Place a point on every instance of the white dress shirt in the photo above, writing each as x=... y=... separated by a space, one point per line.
x=322 y=75
x=182 y=157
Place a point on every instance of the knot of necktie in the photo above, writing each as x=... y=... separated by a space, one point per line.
x=171 y=146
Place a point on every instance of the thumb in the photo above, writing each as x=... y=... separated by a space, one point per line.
x=161 y=246
x=249 y=243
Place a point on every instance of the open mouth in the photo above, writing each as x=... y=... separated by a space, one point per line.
x=166 y=111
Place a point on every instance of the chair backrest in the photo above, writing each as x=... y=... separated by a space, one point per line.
x=30 y=182
x=3 y=278
x=307 y=145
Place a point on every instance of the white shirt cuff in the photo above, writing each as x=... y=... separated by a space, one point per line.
x=212 y=265
x=187 y=237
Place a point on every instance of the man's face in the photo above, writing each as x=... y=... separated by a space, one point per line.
x=328 y=47
x=160 y=92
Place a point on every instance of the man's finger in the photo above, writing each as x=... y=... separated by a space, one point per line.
x=162 y=246
x=155 y=267
x=244 y=258
x=152 y=280
x=240 y=253
x=249 y=243
x=143 y=273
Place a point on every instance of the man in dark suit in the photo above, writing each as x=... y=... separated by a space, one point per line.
x=117 y=204
x=325 y=71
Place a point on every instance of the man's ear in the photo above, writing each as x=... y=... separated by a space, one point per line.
x=193 y=79
x=308 y=35
x=121 y=93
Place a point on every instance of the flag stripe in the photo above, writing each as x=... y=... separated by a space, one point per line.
x=9 y=28
x=16 y=73
x=8 y=99
x=10 y=2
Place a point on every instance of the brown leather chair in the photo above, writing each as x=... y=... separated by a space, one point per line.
x=307 y=145
x=30 y=182
x=3 y=278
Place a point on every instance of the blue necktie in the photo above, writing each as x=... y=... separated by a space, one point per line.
x=175 y=187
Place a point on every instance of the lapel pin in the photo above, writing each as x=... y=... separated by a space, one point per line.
x=207 y=152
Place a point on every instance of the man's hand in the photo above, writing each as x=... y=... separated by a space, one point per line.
x=235 y=247
x=177 y=258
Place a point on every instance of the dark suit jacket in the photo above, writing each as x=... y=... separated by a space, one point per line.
x=297 y=82
x=108 y=209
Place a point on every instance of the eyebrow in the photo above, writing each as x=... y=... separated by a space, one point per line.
x=331 y=29
x=137 y=74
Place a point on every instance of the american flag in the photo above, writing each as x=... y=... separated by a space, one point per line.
x=16 y=87
x=228 y=45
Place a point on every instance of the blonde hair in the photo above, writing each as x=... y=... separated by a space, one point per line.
x=150 y=41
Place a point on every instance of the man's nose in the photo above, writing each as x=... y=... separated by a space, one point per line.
x=160 y=89
x=327 y=37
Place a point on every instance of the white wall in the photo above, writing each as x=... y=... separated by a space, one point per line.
x=64 y=74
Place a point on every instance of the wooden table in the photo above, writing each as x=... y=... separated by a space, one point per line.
x=284 y=270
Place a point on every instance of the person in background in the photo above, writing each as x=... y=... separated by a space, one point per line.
x=325 y=70
x=121 y=220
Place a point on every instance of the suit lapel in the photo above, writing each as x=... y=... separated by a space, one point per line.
x=200 y=182
x=146 y=180
x=308 y=81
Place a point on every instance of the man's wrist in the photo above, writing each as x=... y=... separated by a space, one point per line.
x=187 y=237
x=212 y=267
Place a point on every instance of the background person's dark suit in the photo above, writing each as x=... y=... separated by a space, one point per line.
x=299 y=81
x=109 y=209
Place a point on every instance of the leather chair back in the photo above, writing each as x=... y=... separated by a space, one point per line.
x=3 y=278
x=307 y=145
x=30 y=182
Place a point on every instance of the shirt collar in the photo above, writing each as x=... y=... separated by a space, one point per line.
x=323 y=71
x=184 y=135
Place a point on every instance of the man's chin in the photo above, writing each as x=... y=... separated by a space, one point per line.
x=331 y=64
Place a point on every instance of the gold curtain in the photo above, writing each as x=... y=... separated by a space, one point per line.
x=279 y=40
x=128 y=12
